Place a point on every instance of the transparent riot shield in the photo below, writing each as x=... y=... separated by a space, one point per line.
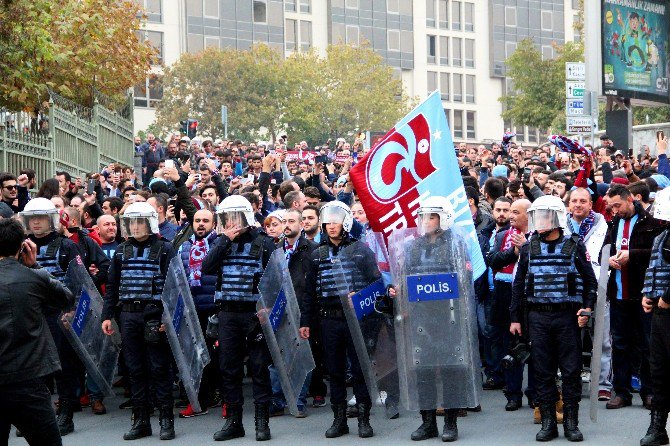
x=83 y=328
x=598 y=332
x=279 y=314
x=371 y=331
x=436 y=331
x=183 y=331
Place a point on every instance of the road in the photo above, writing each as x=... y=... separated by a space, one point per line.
x=491 y=426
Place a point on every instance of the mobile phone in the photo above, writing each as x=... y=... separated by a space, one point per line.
x=90 y=186
x=526 y=174
x=169 y=163
x=660 y=135
x=198 y=177
x=630 y=153
x=323 y=159
x=171 y=201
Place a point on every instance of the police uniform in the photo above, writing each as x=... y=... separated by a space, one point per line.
x=238 y=265
x=135 y=283
x=555 y=280
x=337 y=342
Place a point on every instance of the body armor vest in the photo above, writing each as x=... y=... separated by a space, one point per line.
x=552 y=276
x=241 y=272
x=141 y=276
x=328 y=288
x=49 y=258
x=657 y=276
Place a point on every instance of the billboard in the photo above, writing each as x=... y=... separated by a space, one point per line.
x=635 y=49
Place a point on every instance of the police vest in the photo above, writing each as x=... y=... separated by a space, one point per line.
x=49 y=257
x=328 y=284
x=241 y=272
x=141 y=276
x=657 y=277
x=553 y=277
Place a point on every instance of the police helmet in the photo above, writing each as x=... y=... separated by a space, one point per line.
x=40 y=207
x=336 y=212
x=440 y=206
x=661 y=208
x=236 y=210
x=546 y=213
x=137 y=212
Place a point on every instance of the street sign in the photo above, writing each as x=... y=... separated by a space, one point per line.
x=575 y=107
x=582 y=125
x=575 y=71
x=574 y=89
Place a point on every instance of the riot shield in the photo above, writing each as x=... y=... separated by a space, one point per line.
x=279 y=315
x=436 y=331
x=598 y=332
x=83 y=328
x=371 y=331
x=183 y=331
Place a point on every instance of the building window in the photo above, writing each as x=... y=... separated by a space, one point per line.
x=510 y=16
x=291 y=33
x=352 y=35
x=430 y=13
x=443 y=13
x=352 y=4
x=456 y=51
x=290 y=5
x=469 y=19
x=470 y=89
x=444 y=86
x=306 y=6
x=546 y=21
x=155 y=39
x=211 y=8
x=305 y=35
x=392 y=6
x=260 y=11
x=153 y=10
x=456 y=16
x=444 y=50
x=150 y=92
x=447 y=114
x=532 y=135
x=510 y=48
x=212 y=42
x=430 y=47
x=458 y=87
x=393 y=40
x=470 y=53
x=470 y=123
x=432 y=81
x=547 y=52
x=458 y=124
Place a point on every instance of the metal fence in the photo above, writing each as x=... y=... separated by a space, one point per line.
x=65 y=137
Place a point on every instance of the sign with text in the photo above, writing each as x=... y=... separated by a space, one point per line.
x=574 y=107
x=364 y=300
x=278 y=310
x=575 y=71
x=81 y=313
x=423 y=287
x=579 y=125
x=300 y=155
x=574 y=89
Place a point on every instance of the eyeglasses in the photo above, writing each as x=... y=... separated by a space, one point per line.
x=13 y=187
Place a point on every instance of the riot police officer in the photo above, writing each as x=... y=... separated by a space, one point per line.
x=556 y=280
x=238 y=258
x=656 y=294
x=55 y=252
x=135 y=282
x=336 y=222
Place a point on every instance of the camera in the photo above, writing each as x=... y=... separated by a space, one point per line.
x=518 y=355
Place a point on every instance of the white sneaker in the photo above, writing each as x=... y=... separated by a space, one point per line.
x=381 y=401
x=352 y=401
x=586 y=377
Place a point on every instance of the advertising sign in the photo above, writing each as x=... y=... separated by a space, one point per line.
x=635 y=49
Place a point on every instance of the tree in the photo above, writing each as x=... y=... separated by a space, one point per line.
x=306 y=96
x=538 y=99
x=69 y=46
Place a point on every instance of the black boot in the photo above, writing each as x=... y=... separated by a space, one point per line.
x=656 y=434
x=428 y=428
x=364 y=428
x=450 y=432
x=549 y=429
x=339 y=426
x=262 y=418
x=141 y=426
x=65 y=423
x=571 y=421
x=166 y=420
x=233 y=427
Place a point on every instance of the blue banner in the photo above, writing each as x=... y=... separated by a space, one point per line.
x=432 y=287
x=79 y=320
x=178 y=314
x=278 y=310
x=364 y=300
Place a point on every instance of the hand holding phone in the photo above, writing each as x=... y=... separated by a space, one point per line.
x=90 y=186
x=169 y=164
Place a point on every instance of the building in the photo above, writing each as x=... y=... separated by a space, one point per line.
x=458 y=46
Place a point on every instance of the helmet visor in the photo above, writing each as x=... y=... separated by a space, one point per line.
x=332 y=214
x=40 y=224
x=231 y=219
x=661 y=207
x=542 y=220
x=135 y=227
x=428 y=223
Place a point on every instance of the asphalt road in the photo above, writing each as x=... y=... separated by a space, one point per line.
x=491 y=426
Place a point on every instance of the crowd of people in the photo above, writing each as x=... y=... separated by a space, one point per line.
x=223 y=207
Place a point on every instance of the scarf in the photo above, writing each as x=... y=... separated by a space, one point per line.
x=196 y=255
x=289 y=250
x=507 y=244
x=587 y=224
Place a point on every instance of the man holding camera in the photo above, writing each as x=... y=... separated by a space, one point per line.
x=556 y=280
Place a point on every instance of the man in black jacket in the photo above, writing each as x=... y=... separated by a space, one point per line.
x=27 y=351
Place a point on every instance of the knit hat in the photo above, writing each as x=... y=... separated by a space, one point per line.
x=623 y=181
x=500 y=171
x=5 y=211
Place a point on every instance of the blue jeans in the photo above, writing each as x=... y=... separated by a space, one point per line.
x=490 y=340
x=94 y=391
x=278 y=399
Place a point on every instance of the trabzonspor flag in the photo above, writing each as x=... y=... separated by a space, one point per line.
x=413 y=161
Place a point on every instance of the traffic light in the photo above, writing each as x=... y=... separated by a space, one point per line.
x=192 y=128
x=184 y=127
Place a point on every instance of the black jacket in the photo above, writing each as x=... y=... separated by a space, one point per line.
x=298 y=266
x=27 y=349
x=221 y=248
x=92 y=254
x=484 y=224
